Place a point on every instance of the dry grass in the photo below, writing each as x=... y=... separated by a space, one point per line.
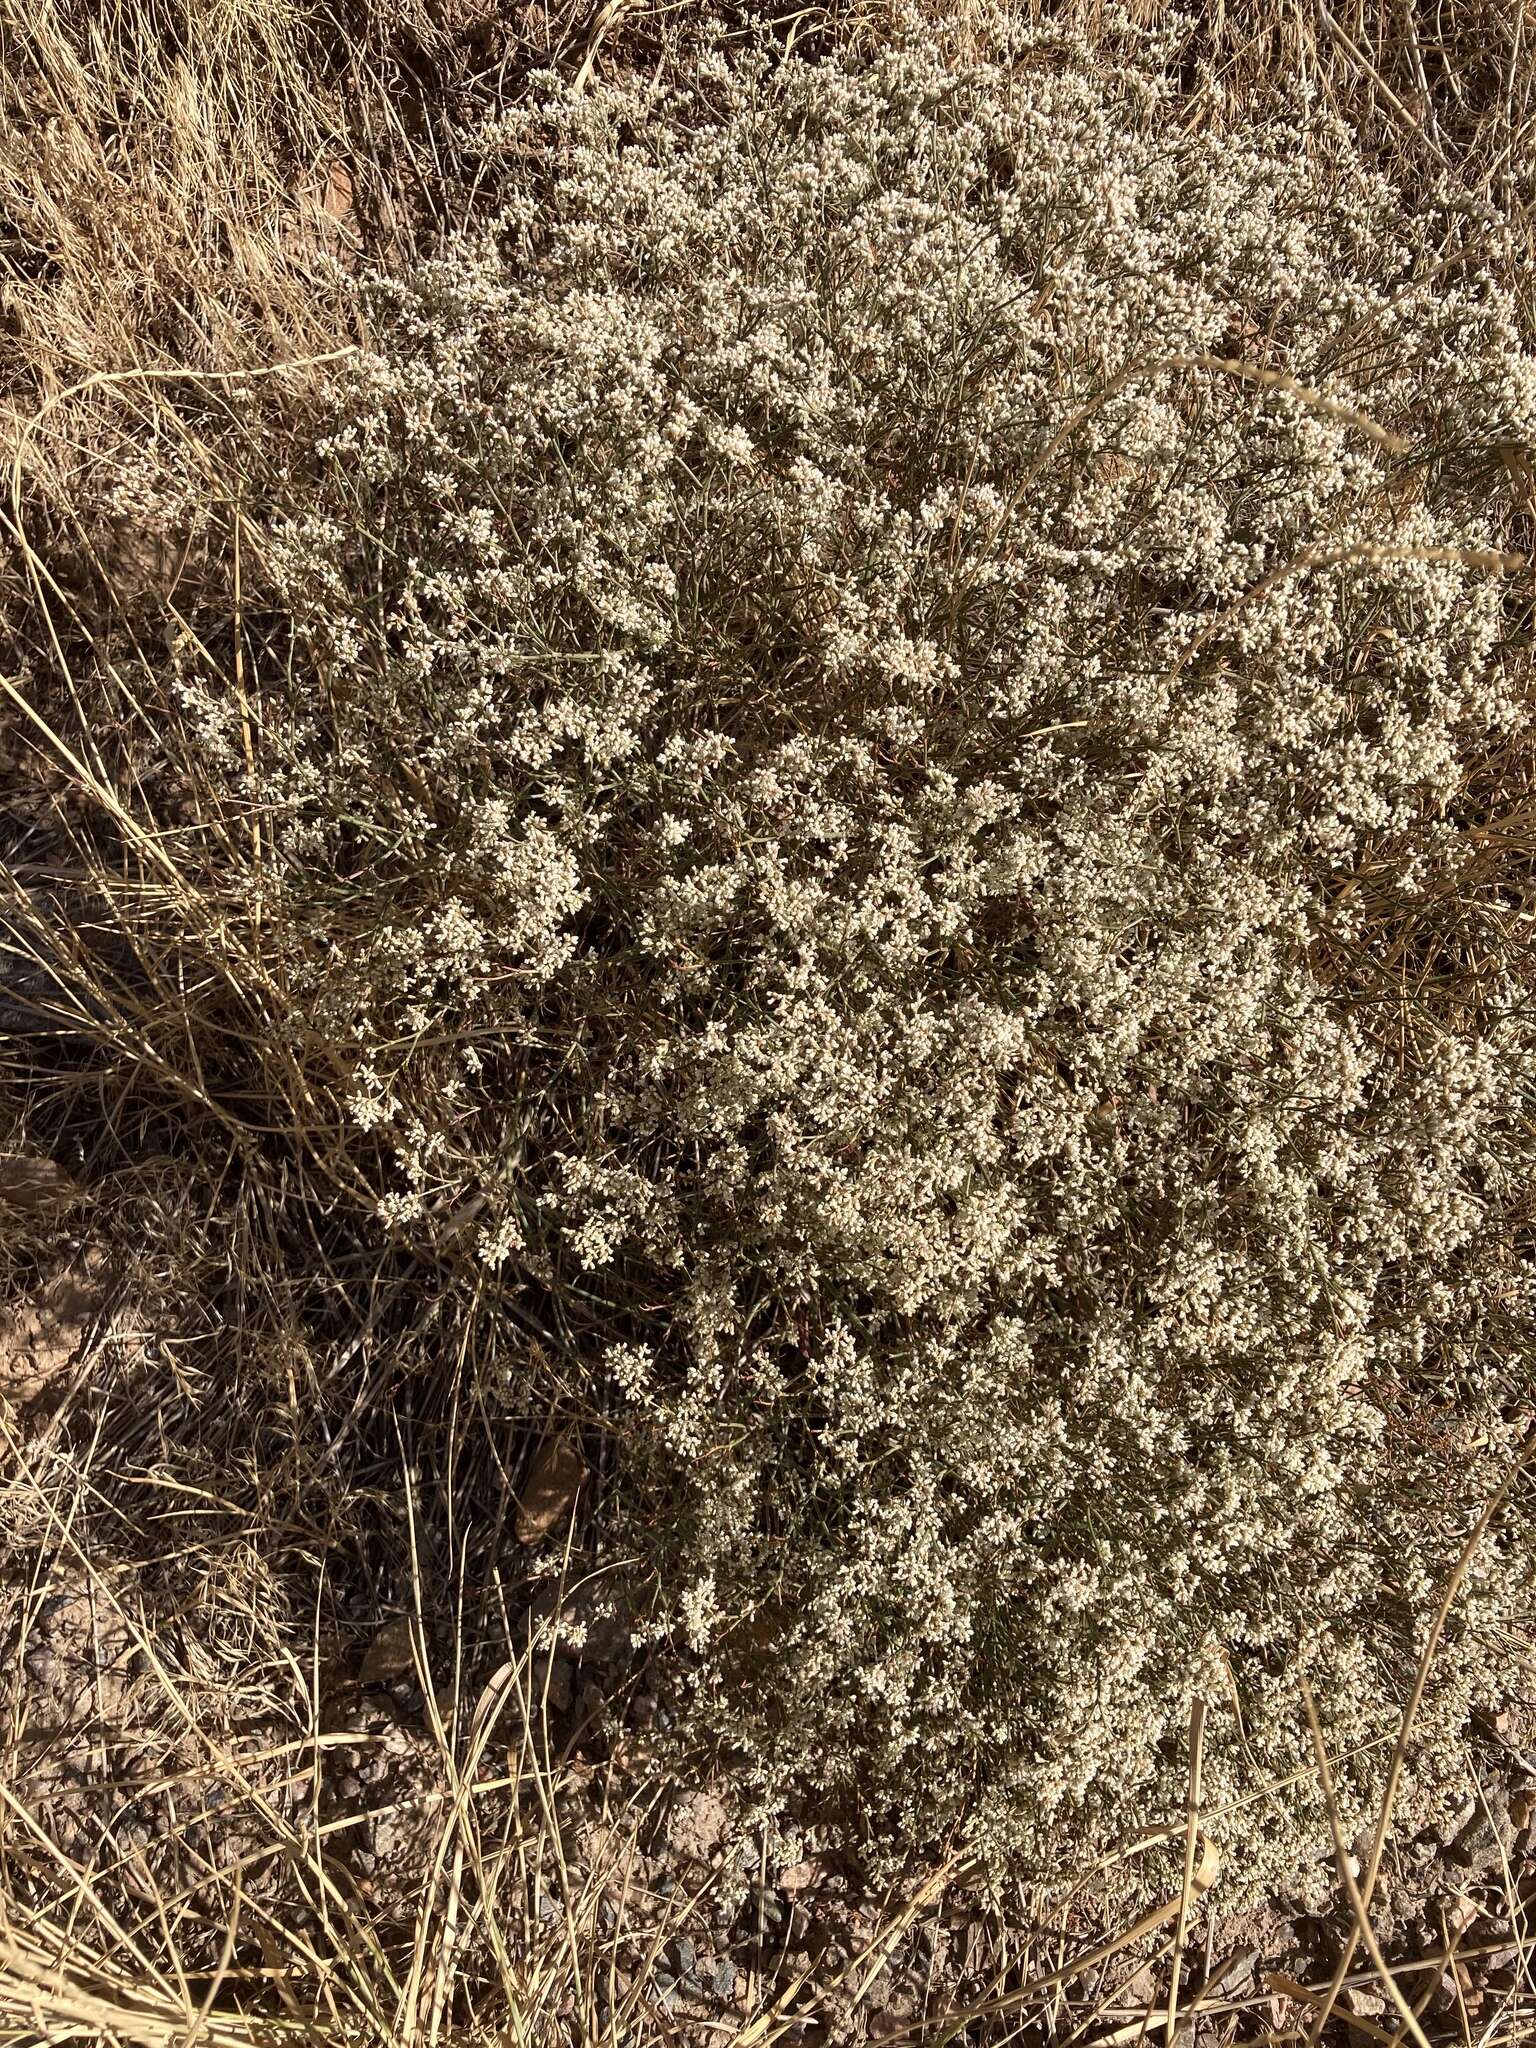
x=217 y=1468
x=526 y=1916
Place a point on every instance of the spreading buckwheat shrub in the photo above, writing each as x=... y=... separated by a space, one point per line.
x=881 y=796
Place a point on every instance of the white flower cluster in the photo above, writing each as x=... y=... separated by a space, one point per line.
x=892 y=796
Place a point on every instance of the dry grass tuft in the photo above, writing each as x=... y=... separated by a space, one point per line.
x=247 y=1444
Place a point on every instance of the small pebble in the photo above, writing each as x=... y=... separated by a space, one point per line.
x=349 y=1787
x=40 y=1665
x=1363 y=2002
x=723 y=1980
x=1442 y=1999
x=684 y=1954
x=364 y=1862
